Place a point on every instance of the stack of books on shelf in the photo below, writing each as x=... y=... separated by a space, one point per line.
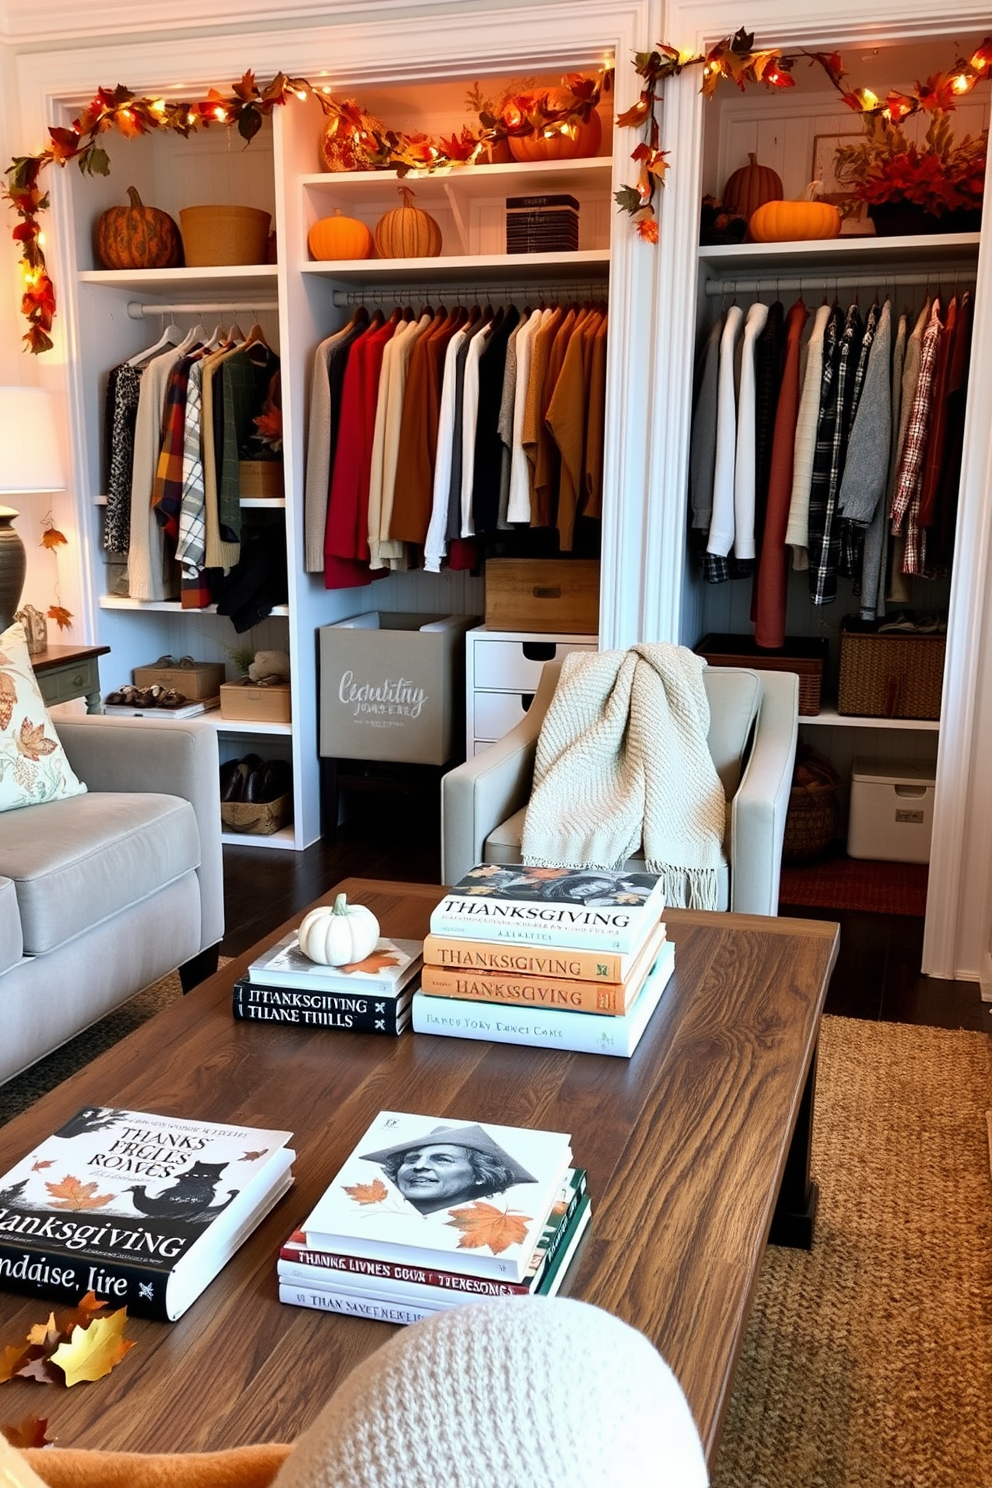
x=369 y=996
x=142 y=1210
x=555 y=958
x=427 y=1213
x=542 y=224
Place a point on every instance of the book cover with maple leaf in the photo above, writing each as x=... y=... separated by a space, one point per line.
x=458 y=1195
x=141 y=1209
x=389 y=967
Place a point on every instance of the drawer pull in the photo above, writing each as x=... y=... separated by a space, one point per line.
x=539 y=650
x=546 y=591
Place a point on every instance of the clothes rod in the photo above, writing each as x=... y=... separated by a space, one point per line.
x=770 y=283
x=138 y=311
x=466 y=294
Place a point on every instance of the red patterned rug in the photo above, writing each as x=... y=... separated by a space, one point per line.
x=839 y=882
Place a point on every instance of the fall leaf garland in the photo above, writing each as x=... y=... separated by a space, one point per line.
x=246 y=104
x=737 y=59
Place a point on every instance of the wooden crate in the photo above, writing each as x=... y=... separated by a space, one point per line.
x=543 y=595
x=806 y=656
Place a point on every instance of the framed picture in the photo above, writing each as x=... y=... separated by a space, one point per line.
x=825 y=146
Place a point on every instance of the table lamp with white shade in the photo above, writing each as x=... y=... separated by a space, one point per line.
x=30 y=461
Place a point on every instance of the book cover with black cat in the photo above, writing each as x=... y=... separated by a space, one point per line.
x=141 y=1209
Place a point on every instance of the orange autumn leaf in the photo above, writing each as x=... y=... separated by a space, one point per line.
x=29 y=1432
x=53 y=538
x=12 y=1359
x=62 y=617
x=374 y=961
x=94 y=1351
x=254 y=1156
x=47 y=1162
x=71 y=1194
x=485 y=1225
x=368 y=1193
x=31 y=741
x=44 y=1335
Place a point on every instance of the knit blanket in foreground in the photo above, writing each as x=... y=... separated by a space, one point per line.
x=622 y=759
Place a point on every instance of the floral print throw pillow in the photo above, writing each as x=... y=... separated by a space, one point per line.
x=33 y=764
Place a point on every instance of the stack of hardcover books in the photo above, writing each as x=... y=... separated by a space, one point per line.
x=370 y=996
x=542 y=224
x=427 y=1213
x=142 y=1210
x=556 y=958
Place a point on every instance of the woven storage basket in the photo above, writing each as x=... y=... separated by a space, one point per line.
x=895 y=675
x=259 y=818
x=814 y=807
x=224 y=235
x=806 y=657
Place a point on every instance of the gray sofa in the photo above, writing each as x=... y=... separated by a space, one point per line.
x=105 y=892
x=754 y=726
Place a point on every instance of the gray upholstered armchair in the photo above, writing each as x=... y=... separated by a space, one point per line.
x=752 y=738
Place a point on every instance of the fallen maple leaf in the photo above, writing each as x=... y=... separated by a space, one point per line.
x=27 y=1433
x=92 y=1352
x=71 y=1194
x=11 y=1359
x=367 y=1193
x=44 y=1334
x=48 y=1162
x=483 y=1224
x=374 y=961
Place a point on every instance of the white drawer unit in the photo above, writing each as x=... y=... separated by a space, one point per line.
x=502 y=670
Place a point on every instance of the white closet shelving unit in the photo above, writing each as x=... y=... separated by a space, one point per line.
x=109 y=315
x=710 y=139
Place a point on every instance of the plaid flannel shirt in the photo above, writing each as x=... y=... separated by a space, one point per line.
x=836 y=416
x=909 y=483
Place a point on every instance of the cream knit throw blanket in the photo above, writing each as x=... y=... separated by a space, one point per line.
x=622 y=759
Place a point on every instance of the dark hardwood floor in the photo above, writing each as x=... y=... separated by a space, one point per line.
x=877 y=973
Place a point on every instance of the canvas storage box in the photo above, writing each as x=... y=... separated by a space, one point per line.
x=891 y=810
x=247 y=701
x=200 y=679
x=543 y=595
x=806 y=656
x=392 y=687
x=892 y=674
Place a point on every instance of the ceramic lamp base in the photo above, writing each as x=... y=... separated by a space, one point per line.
x=13 y=566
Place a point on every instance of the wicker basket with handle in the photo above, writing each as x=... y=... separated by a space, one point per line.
x=814 y=807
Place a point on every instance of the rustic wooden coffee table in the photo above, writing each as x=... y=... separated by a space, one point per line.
x=687 y=1145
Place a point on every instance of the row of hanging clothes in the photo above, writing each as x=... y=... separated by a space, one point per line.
x=829 y=439
x=179 y=417
x=431 y=428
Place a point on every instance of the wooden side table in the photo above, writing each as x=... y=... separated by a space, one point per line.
x=67 y=672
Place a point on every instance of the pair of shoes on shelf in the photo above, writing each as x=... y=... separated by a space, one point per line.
x=254 y=779
x=155 y=696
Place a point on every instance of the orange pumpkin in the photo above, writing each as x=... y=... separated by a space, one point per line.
x=794 y=221
x=407 y=232
x=750 y=187
x=339 y=237
x=138 y=237
x=350 y=143
x=565 y=140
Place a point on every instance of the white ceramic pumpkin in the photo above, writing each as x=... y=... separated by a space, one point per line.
x=338 y=934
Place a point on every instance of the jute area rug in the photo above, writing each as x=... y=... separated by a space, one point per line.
x=867 y=1362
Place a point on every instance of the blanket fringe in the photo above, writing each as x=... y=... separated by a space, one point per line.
x=688 y=888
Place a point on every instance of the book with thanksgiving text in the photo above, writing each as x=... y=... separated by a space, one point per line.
x=141 y=1209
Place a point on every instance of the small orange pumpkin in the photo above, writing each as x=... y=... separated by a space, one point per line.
x=795 y=221
x=339 y=237
x=750 y=187
x=138 y=237
x=407 y=232
x=564 y=140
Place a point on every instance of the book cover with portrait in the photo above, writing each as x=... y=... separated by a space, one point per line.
x=471 y=1196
